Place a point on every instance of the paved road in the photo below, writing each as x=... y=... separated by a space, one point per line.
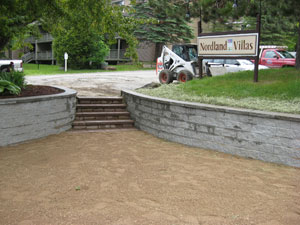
x=98 y=84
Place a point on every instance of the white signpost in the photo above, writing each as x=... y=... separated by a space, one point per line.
x=66 y=56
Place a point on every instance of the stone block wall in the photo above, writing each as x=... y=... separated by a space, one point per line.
x=271 y=137
x=23 y=119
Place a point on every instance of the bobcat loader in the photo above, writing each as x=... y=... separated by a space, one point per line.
x=170 y=67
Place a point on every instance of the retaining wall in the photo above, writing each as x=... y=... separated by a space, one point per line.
x=271 y=137
x=23 y=119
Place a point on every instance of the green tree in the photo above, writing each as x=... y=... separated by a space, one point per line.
x=168 y=22
x=88 y=26
x=289 y=9
x=276 y=29
x=82 y=47
x=280 y=19
x=16 y=15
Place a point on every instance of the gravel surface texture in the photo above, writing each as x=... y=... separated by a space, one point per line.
x=98 y=84
x=131 y=177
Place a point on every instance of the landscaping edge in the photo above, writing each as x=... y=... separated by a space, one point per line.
x=268 y=136
x=29 y=118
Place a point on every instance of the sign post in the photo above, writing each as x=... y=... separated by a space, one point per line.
x=66 y=56
x=258 y=26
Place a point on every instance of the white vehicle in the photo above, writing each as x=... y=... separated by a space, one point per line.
x=293 y=54
x=7 y=65
x=235 y=65
x=170 y=67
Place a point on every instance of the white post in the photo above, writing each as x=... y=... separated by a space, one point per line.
x=66 y=61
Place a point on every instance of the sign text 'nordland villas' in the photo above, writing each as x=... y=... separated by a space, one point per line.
x=228 y=45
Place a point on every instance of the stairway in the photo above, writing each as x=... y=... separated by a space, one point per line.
x=98 y=113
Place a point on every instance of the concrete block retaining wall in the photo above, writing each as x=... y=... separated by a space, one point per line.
x=23 y=119
x=267 y=136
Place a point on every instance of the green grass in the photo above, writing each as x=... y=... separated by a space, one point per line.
x=277 y=90
x=42 y=69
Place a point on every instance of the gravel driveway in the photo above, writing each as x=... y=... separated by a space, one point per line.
x=98 y=84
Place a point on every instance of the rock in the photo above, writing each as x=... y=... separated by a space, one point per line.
x=152 y=85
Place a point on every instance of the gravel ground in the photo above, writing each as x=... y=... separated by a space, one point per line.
x=98 y=84
x=131 y=177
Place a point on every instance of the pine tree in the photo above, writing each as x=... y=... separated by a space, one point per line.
x=169 y=22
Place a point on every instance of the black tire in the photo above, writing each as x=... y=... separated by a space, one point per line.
x=165 y=77
x=5 y=69
x=184 y=76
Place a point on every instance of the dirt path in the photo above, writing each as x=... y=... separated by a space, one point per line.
x=130 y=177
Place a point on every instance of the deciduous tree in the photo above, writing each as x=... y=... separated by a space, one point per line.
x=16 y=15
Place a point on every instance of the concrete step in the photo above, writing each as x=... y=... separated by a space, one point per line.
x=101 y=113
x=100 y=107
x=102 y=116
x=102 y=124
x=99 y=100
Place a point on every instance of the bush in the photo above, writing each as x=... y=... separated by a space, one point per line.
x=16 y=78
x=11 y=83
x=83 y=47
x=9 y=87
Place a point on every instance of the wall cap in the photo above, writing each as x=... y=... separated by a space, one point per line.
x=67 y=93
x=225 y=109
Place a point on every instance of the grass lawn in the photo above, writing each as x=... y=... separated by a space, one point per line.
x=277 y=90
x=42 y=69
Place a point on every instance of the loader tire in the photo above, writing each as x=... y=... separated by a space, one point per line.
x=184 y=76
x=165 y=77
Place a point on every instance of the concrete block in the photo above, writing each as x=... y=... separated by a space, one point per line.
x=144 y=108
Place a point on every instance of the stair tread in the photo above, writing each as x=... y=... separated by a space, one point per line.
x=100 y=98
x=103 y=130
x=101 y=113
x=100 y=105
x=86 y=122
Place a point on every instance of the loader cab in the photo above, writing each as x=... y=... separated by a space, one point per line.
x=187 y=52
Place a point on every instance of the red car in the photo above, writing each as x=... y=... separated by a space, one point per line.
x=275 y=57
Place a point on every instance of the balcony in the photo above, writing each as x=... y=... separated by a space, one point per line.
x=45 y=55
x=117 y=55
x=46 y=37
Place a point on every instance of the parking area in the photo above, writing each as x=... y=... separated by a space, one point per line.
x=98 y=84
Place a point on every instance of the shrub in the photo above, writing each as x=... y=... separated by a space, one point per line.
x=7 y=86
x=17 y=78
x=83 y=47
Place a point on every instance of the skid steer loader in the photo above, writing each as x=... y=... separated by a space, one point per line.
x=170 y=66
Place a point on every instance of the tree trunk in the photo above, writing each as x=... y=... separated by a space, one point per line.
x=298 y=49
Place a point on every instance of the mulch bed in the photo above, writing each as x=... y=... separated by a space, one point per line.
x=34 y=90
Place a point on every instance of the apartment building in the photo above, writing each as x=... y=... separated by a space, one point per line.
x=42 y=51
